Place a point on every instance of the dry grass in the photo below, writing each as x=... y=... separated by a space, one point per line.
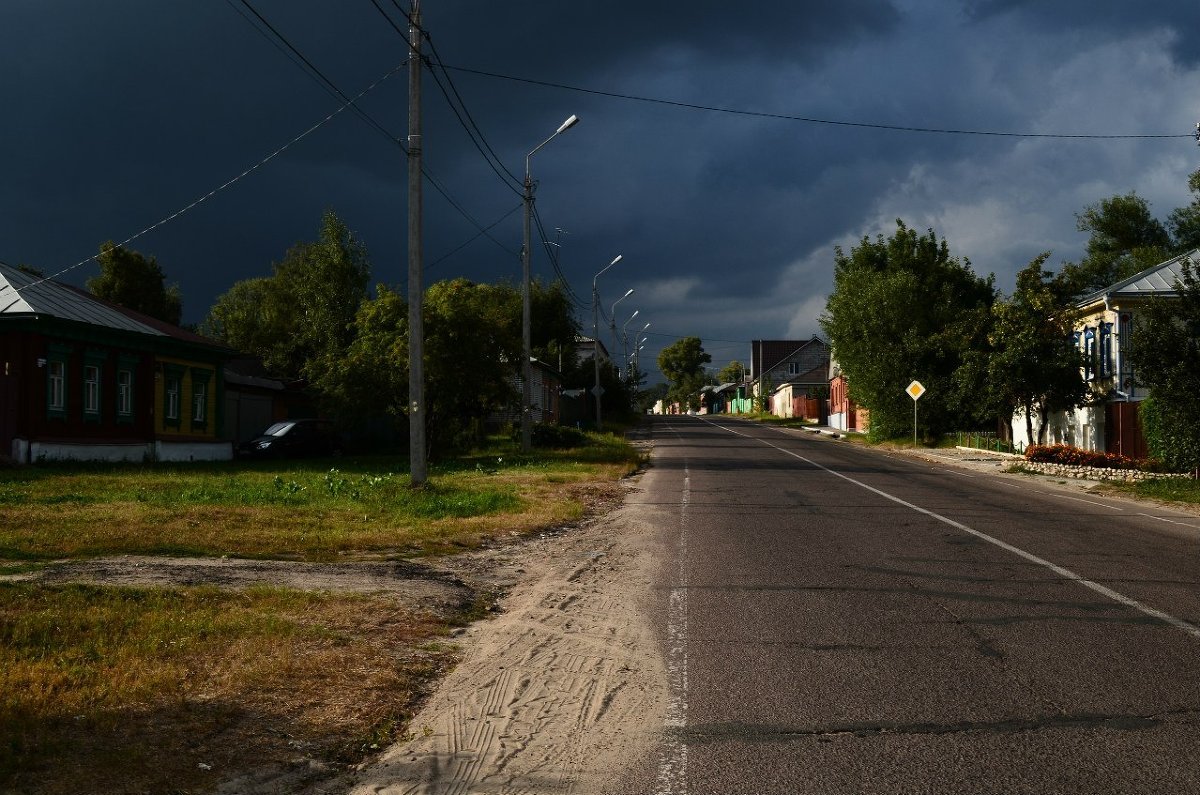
x=167 y=680
x=106 y=689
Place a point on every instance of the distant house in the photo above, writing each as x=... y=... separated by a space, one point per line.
x=804 y=364
x=844 y=413
x=545 y=394
x=85 y=379
x=1103 y=333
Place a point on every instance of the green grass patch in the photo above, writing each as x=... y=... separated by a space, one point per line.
x=1185 y=491
x=297 y=509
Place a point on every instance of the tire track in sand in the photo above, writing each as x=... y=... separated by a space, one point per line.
x=556 y=695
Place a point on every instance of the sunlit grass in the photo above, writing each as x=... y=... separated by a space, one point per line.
x=306 y=510
x=1180 y=490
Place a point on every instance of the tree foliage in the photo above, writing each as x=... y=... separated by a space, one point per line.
x=732 y=373
x=903 y=308
x=1124 y=238
x=682 y=362
x=136 y=282
x=299 y=319
x=1166 y=356
x=1184 y=222
x=1032 y=364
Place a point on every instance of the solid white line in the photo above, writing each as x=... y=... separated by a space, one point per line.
x=1066 y=574
x=1169 y=521
x=1077 y=499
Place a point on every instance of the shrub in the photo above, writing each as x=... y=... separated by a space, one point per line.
x=1170 y=434
x=556 y=437
x=1073 y=456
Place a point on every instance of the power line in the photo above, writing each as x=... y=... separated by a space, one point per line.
x=227 y=183
x=478 y=235
x=314 y=73
x=806 y=119
x=459 y=108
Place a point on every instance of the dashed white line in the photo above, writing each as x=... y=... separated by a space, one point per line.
x=673 y=760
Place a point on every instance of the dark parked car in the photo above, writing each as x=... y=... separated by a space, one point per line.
x=293 y=439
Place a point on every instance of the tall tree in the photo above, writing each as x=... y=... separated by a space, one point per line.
x=682 y=362
x=903 y=308
x=299 y=318
x=1032 y=364
x=136 y=282
x=1166 y=358
x=1124 y=238
x=1184 y=222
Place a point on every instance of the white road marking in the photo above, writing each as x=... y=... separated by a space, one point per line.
x=1077 y=499
x=1169 y=521
x=1066 y=574
x=673 y=761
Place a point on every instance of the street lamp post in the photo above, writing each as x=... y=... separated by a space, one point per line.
x=612 y=318
x=596 y=335
x=526 y=311
x=625 y=340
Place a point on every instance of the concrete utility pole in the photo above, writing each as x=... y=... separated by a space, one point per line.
x=418 y=470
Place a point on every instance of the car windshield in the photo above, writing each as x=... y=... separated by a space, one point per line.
x=278 y=429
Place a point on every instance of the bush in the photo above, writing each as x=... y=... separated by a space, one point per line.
x=1073 y=456
x=556 y=437
x=1171 y=436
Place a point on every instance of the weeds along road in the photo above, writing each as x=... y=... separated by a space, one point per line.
x=771 y=612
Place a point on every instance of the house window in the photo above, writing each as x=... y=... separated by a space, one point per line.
x=1106 y=349
x=199 y=403
x=200 y=381
x=1089 y=353
x=793 y=368
x=91 y=389
x=56 y=387
x=171 y=401
x=124 y=393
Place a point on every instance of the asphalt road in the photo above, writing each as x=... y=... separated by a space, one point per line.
x=837 y=620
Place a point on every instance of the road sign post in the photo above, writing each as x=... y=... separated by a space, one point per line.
x=915 y=390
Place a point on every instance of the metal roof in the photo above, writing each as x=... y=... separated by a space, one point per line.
x=1157 y=280
x=22 y=294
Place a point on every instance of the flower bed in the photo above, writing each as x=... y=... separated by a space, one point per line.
x=1064 y=461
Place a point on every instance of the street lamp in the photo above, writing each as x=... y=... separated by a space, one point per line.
x=625 y=338
x=596 y=334
x=526 y=311
x=612 y=318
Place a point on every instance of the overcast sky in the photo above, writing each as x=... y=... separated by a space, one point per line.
x=119 y=114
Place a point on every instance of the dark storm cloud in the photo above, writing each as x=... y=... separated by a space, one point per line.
x=118 y=114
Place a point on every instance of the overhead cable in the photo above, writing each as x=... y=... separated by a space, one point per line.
x=805 y=119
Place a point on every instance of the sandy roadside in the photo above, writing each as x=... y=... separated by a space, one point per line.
x=557 y=694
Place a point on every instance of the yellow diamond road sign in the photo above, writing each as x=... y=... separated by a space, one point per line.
x=915 y=390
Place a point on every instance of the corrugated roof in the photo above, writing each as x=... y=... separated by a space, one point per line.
x=24 y=294
x=1157 y=280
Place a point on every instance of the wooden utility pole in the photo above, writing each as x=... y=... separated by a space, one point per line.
x=417 y=451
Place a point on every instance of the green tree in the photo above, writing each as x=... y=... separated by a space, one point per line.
x=1166 y=358
x=300 y=318
x=135 y=282
x=732 y=373
x=682 y=362
x=1124 y=238
x=1032 y=364
x=903 y=308
x=1184 y=222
